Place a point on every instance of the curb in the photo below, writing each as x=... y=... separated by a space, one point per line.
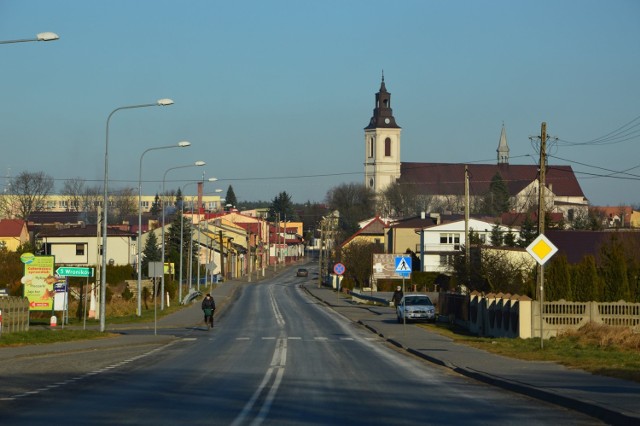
x=596 y=411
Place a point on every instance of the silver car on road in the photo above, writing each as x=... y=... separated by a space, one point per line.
x=416 y=307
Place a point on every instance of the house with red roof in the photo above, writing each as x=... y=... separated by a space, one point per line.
x=618 y=216
x=13 y=233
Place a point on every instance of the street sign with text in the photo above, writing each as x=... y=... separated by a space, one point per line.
x=67 y=271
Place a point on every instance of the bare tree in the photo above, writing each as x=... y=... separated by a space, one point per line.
x=124 y=203
x=402 y=199
x=355 y=202
x=28 y=194
x=72 y=191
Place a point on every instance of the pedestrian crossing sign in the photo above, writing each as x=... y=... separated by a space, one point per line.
x=403 y=266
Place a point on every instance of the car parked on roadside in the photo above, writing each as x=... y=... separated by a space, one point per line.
x=302 y=272
x=416 y=307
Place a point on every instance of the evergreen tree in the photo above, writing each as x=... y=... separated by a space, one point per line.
x=179 y=199
x=156 y=206
x=614 y=271
x=558 y=280
x=586 y=281
x=230 y=198
x=283 y=206
x=496 y=235
x=528 y=232
x=497 y=201
x=509 y=239
x=151 y=253
x=174 y=239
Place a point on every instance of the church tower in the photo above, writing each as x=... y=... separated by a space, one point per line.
x=503 y=148
x=382 y=144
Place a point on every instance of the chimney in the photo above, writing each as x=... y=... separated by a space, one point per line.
x=423 y=215
x=435 y=216
x=200 y=184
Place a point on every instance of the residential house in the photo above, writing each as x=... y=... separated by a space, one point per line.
x=440 y=243
x=618 y=216
x=13 y=234
x=373 y=232
x=79 y=245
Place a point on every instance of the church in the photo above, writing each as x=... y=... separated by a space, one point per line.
x=442 y=185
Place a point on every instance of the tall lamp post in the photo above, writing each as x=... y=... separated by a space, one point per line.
x=105 y=201
x=211 y=179
x=162 y=244
x=182 y=233
x=48 y=36
x=181 y=144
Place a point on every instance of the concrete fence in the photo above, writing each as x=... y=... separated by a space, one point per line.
x=506 y=315
x=15 y=314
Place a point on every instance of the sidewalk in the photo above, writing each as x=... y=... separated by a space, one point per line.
x=612 y=400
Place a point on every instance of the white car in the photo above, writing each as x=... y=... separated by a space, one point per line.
x=416 y=307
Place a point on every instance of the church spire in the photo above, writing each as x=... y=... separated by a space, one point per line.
x=503 y=147
x=382 y=113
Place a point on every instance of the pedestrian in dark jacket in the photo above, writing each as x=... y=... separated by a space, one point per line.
x=208 y=307
x=397 y=296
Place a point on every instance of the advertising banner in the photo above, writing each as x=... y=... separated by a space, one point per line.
x=38 y=281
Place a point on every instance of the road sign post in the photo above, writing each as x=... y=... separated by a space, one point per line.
x=541 y=249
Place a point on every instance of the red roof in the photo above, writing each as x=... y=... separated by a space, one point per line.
x=11 y=227
x=375 y=227
x=447 y=178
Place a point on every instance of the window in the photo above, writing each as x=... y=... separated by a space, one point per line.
x=446 y=259
x=370 y=147
x=449 y=238
x=79 y=249
x=145 y=204
x=387 y=147
x=51 y=204
x=62 y=204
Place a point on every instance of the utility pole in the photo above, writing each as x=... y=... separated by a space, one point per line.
x=541 y=213
x=467 y=242
x=320 y=252
x=221 y=256
x=99 y=271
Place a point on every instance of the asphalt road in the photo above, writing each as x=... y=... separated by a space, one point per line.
x=275 y=357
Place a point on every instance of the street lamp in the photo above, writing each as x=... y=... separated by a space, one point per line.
x=103 y=280
x=211 y=179
x=47 y=36
x=182 y=236
x=164 y=177
x=181 y=144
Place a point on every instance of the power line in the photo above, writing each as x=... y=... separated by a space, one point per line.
x=623 y=133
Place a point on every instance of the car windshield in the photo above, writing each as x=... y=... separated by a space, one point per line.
x=417 y=300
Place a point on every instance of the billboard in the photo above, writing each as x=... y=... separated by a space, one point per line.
x=38 y=281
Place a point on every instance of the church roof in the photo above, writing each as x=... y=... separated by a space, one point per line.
x=448 y=178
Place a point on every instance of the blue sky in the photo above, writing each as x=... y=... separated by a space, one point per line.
x=274 y=95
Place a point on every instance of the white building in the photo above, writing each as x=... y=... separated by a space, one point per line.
x=78 y=246
x=440 y=243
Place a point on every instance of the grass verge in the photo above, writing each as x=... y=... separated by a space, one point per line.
x=602 y=350
x=120 y=312
x=40 y=337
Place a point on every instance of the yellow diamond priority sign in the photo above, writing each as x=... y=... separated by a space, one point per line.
x=542 y=249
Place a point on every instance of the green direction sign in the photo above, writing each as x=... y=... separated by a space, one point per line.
x=65 y=271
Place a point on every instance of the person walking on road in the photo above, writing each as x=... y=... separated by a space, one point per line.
x=208 y=307
x=397 y=296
